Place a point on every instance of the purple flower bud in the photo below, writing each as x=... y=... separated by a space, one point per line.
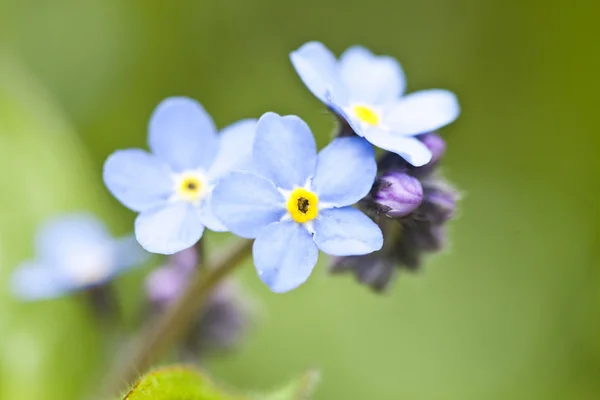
x=397 y=194
x=166 y=283
x=371 y=270
x=435 y=144
x=222 y=321
x=439 y=203
x=406 y=239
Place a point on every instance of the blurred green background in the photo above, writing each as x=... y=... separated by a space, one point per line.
x=511 y=310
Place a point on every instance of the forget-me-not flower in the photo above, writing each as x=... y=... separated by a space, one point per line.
x=74 y=252
x=171 y=186
x=366 y=91
x=296 y=202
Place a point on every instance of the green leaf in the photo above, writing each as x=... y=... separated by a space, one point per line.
x=186 y=383
x=177 y=383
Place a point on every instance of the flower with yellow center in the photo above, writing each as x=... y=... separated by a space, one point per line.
x=366 y=91
x=303 y=205
x=295 y=201
x=171 y=186
x=190 y=186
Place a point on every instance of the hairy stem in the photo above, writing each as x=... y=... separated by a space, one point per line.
x=157 y=338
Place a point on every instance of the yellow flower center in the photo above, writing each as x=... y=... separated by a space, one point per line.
x=366 y=115
x=190 y=186
x=302 y=205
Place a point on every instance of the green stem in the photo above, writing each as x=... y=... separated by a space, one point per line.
x=170 y=326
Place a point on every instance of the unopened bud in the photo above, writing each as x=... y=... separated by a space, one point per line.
x=439 y=205
x=397 y=194
x=435 y=144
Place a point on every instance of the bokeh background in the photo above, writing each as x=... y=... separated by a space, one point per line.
x=511 y=310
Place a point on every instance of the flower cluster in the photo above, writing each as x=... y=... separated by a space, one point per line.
x=265 y=180
x=411 y=206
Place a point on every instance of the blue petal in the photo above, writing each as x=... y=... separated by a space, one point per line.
x=208 y=217
x=168 y=229
x=235 y=148
x=371 y=79
x=137 y=179
x=346 y=170
x=32 y=281
x=183 y=134
x=128 y=253
x=61 y=236
x=319 y=70
x=245 y=203
x=422 y=112
x=407 y=147
x=284 y=150
x=346 y=232
x=284 y=255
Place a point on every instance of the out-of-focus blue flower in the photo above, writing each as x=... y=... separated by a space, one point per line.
x=296 y=202
x=367 y=90
x=74 y=252
x=171 y=186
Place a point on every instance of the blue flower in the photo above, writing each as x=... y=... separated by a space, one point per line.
x=296 y=202
x=366 y=91
x=74 y=252
x=171 y=187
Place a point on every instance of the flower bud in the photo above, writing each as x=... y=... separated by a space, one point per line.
x=222 y=324
x=165 y=284
x=222 y=321
x=371 y=270
x=397 y=194
x=406 y=239
x=439 y=203
x=435 y=144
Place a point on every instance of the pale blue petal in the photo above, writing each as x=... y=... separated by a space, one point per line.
x=61 y=236
x=245 y=203
x=346 y=232
x=208 y=217
x=128 y=253
x=284 y=255
x=169 y=229
x=422 y=112
x=284 y=150
x=319 y=70
x=371 y=79
x=183 y=134
x=346 y=170
x=137 y=179
x=407 y=147
x=235 y=148
x=32 y=281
